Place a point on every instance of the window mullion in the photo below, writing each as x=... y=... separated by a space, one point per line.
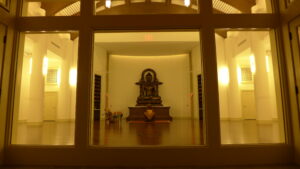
x=86 y=8
x=211 y=101
x=206 y=7
x=84 y=77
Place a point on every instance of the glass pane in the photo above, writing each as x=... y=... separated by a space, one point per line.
x=44 y=112
x=147 y=89
x=51 y=8
x=132 y=7
x=249 y=95
x=242 y=6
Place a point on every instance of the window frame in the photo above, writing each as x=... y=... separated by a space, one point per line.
x=5 y=5
x=210 y=155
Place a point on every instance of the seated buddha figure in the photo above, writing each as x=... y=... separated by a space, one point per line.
x=149 y=89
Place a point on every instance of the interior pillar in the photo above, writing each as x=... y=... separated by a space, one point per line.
x=261 y=80
x=36 y=95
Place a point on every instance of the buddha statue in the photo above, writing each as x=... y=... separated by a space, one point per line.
x=149 y=89
x=149 y=105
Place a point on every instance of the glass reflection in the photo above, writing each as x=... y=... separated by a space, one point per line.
x=44 y=111
x=249 y=98
x=147 y=89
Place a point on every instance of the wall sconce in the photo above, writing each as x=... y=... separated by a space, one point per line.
x=252 y=64
x=73 y=77
x=223 y=75
x=45 y=66
x=58 y=77
x=267 y=64
x=30 y=65
x=239 y=75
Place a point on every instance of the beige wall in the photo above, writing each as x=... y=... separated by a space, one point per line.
x=173 y=71
x=100 y=68
x=223 y=96
x=196 y=70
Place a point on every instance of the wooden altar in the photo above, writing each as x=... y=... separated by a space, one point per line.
x=149 y=99
x=137 y=113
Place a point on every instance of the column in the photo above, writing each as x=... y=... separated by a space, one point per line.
x=234 y=96
x=223 y=88
x=65 y=93
x=63 y=111
x=261 y=82
x=36 y=96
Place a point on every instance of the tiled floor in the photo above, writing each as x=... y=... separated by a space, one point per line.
x=250 y=132
x=183 y=132
x=48 y=133
x=177 y=132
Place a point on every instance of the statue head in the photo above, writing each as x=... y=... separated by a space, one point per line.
x=148 y=77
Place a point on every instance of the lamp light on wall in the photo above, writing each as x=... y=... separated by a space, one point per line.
x=239 y=74
x=45 y=66
x=267 y=64
x=73 y=77
x=30 y=66
x=187 y=3
x=58 y=77
x=107 y=3
x=252 y=64
x=223 y=75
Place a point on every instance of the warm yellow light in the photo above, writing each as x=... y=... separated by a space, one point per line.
x=73 y=77
x=108 y=3
x=267 y=64
x=187 y=3
x=58 y=77
x=223 y=75
x=239 y=75
x=252 y=64
x=45 y=66
x=30 y=66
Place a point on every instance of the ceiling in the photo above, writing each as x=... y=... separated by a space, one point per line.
x=147 y=43
x=148 y=48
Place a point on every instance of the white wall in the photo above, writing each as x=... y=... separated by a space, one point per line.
x=196 y=70
x=173 y=71
x=74 y=63
x=33 y=9
x=222 y=63
x=100 y=68
x=262 y=6
x=66 y=93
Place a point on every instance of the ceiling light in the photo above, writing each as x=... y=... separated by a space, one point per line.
x=187 y=3
x=108 y=3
